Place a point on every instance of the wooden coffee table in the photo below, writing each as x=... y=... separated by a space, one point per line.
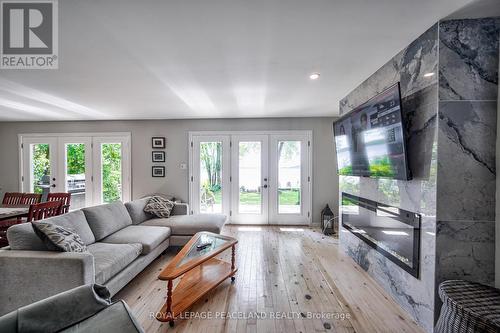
x=199 y=270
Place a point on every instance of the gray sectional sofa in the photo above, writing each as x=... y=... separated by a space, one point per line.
x=121 y=239
x=82 y=309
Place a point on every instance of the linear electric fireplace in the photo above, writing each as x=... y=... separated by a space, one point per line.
x=392 y=231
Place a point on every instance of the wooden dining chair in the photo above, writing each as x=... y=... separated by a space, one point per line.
x=64 y=197
x=31 y=198
x=44 y=210
x=12 y=198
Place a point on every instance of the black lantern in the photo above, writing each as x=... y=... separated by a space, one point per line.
x=328 y=221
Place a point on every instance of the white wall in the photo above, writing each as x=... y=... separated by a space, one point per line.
x=325 y=181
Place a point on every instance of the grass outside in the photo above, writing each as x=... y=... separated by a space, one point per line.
x=286 y=197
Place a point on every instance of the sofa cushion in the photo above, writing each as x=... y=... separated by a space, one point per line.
x=136 y=210
x=58 y=238
x=189 y=225
x=149 y=237
x=110 y=259
x=75 y=222
x=23 y=237
x=160 y=207
x=106 y=219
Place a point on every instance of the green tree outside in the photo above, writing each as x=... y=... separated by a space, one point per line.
x=41 y=164
x=111 y=172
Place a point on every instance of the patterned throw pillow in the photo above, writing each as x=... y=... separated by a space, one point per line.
x=159 y=206
x=57 y=238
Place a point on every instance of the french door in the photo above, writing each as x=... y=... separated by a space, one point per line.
x=249 y=179
x=290 y=179
x=94 y=169
x=254 y=178
x=210 y=174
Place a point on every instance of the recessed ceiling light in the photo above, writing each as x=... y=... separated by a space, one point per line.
x=429 y=74
x=314 y=76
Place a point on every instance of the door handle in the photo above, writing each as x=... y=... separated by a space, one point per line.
x=265 y=179
x=265 y=185
x=53 y=185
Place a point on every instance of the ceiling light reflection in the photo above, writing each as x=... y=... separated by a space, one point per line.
x=30 y=109
x=42 y=97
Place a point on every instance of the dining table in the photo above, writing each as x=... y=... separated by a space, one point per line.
x=8 y=212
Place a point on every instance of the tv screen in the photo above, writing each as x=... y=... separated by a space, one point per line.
x=370 y=140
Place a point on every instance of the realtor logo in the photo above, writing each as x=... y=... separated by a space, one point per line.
x=29 y=32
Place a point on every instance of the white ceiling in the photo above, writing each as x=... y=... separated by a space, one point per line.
x=126 y=59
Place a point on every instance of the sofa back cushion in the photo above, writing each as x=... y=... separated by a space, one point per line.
x=23 y=237
x=107 y=219
x=136 y=210
x=57 y=238
x=75 y=222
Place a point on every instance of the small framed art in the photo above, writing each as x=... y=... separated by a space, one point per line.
x=158 y=156
x=158 y=171
x=158 y=142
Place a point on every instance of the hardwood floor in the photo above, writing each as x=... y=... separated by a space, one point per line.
x=296 y=280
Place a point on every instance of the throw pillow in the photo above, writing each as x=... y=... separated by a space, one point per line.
x=57 y=238
x=159 y=206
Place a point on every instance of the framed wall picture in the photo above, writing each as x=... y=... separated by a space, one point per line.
x=158 y=171
x=158 y=156
x=158 y=142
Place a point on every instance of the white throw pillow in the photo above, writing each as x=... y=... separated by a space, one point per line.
x=159 y=206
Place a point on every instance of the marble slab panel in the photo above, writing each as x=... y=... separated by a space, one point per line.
x=414 y=295
x=420 y=108
x=408 y=67
x=466 y=250
x=466 y=163
x=468 y=59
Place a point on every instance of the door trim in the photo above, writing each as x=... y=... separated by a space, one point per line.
x=307 y=133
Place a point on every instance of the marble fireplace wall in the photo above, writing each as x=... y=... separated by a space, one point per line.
x=451 y=124
x=468 y=93
x=420 y=105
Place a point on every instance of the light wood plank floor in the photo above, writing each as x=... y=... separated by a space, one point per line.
x=297 y=281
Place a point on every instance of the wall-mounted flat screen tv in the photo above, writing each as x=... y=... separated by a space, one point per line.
x=370 y=140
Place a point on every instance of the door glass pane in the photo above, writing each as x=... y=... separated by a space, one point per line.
x=40 y=172
x=289 y=171
x=75 y=174
x=211 y=177
x=111 y=162
x=250 y=196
